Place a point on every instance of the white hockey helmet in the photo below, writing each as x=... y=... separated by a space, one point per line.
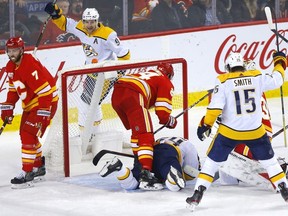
x=234 y=60
x=90 y=14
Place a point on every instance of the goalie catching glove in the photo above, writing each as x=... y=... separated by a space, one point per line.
x=7 y=112
x=280 y=58
x=53 y=9
x=203 y=130
x=171 y=123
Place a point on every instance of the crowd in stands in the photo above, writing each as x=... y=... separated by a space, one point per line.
x=144 y=16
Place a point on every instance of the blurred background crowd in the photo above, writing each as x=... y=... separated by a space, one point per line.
x=129 y=17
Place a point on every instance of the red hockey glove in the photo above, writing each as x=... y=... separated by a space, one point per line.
x=203 y=130
x=7 y=112
x=280 y=58
x=171 y=123
x=37 y=122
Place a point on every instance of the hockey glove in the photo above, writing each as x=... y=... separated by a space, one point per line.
x=280 y=58
x=171 y=123
x=37 y=122
x=7 y=112
x=53 y=9
x=203 y=130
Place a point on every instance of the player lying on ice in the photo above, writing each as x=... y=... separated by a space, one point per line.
x=175 y=161
x=237 y=96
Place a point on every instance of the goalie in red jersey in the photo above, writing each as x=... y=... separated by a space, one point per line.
x=31 y=82
x=133 y=95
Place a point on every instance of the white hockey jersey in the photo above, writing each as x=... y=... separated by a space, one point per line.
x=237 y=96
x=102 y=45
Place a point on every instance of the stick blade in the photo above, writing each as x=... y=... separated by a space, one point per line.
x=269 y=17
x=98 y=156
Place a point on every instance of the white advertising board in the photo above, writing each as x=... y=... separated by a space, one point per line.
x=205 y=52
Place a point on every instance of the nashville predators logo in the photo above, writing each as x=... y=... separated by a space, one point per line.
x=89 y=51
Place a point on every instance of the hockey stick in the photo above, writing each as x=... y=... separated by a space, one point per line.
x=279 y=132
x=42 y=32
x=100 y=154
x=271 y=25
x=188 y=108
x=275 y=30
x=3 y=126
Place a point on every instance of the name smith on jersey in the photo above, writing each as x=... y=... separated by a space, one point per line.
x=243 y=82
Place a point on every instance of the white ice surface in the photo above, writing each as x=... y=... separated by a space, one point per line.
x=92 y=195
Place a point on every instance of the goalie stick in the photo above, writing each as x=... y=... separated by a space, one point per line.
x=188 y=108
x=42 y=32
x=275 y=30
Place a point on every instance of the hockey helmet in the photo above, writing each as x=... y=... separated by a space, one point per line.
x=166 y=69
x=234 y=60
x=90 y=14
x=15 y=42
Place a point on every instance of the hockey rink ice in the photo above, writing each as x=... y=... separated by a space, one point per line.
x=90 y=194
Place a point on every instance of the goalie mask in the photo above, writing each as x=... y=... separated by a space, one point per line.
x=166 y=69
x=234 y=60
x=90 y=14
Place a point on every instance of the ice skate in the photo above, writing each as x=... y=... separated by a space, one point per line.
x=194 y=201
x=149 y=182
x=111 y=166
x=177 y=177
x=22 y=180
x=283 y=190
x=40 y=172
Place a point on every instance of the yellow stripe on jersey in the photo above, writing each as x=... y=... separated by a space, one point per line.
x=60 y=22
x=124 y=176
x=211 y=116
x=277 y=177
x=280 y=69
x=145 y=88
x=102 y=32
x=205 y=177
x=252 y=73
x=241 y=135
x=125 y=57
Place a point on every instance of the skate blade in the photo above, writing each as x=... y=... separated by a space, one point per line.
x=154 y=187
x=191 y=207
x=39 y=179
x=22 y=186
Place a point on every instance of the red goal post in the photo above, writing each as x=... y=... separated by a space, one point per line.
x=64 y=130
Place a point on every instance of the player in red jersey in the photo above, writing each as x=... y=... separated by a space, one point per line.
x=31 y=82
x=133 y=95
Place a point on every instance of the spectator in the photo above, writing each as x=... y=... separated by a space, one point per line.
x=243 y=10
x=141 y=17
x=200 y=14
x=283 y=7
x=52 y=33
x=167 y=15
x=76 y=9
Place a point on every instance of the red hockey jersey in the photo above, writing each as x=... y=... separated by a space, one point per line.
x=156 y=88
x=32 y=83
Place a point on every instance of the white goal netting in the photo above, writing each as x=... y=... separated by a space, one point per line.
x=81 y=127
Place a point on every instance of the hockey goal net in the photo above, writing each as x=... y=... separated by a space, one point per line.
x=65 y=137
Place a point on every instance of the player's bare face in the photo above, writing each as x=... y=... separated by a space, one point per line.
x=90 y=25
x=14 y=54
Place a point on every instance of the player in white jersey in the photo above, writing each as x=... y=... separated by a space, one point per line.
x=175 y=161
x=99 y=43
x=237 y=96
